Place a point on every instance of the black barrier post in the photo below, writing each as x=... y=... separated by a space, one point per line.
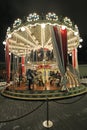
x=47 y=123
x=47 y=112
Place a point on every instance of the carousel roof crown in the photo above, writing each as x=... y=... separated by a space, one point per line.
x=34 y=33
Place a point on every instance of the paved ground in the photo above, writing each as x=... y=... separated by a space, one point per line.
x=69 y=114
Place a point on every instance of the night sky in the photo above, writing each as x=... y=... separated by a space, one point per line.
x=76 y=10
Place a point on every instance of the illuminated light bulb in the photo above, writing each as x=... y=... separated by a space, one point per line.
x=80 y=46
x=43 y=60
x=15 y=56
x=15 y=30
x=9 y=53
x=9 y=35
x=4 y=43
x=75 y=33
x=28 y=62
x=63 y=27
x=22 y=64
x=43 y=25
x=70 y=54
x=81 y=40
x=22 y=29
x=76 y=26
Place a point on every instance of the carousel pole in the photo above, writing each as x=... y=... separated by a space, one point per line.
x=74 y=59
x=64 y=46
x=42 y=42
x=7 y=61
x=75 y=62
x=65 y=55
x=23 y=64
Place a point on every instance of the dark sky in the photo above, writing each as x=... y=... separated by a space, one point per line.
x=76 y=10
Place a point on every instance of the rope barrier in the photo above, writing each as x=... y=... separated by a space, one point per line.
x=10 y=120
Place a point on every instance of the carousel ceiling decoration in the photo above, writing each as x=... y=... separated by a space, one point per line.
x=34 y=33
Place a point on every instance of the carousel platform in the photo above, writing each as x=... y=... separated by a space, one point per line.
x=41 y=93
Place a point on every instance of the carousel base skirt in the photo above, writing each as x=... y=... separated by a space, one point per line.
x=32 y=94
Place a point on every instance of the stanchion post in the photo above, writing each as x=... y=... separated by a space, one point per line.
x=47 y=123
x=47 y=112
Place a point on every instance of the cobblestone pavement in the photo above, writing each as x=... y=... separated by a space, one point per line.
x=69 y=114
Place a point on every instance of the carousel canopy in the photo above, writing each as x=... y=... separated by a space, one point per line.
x=34 y=33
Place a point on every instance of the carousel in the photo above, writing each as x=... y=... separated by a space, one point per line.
x=41 y=58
